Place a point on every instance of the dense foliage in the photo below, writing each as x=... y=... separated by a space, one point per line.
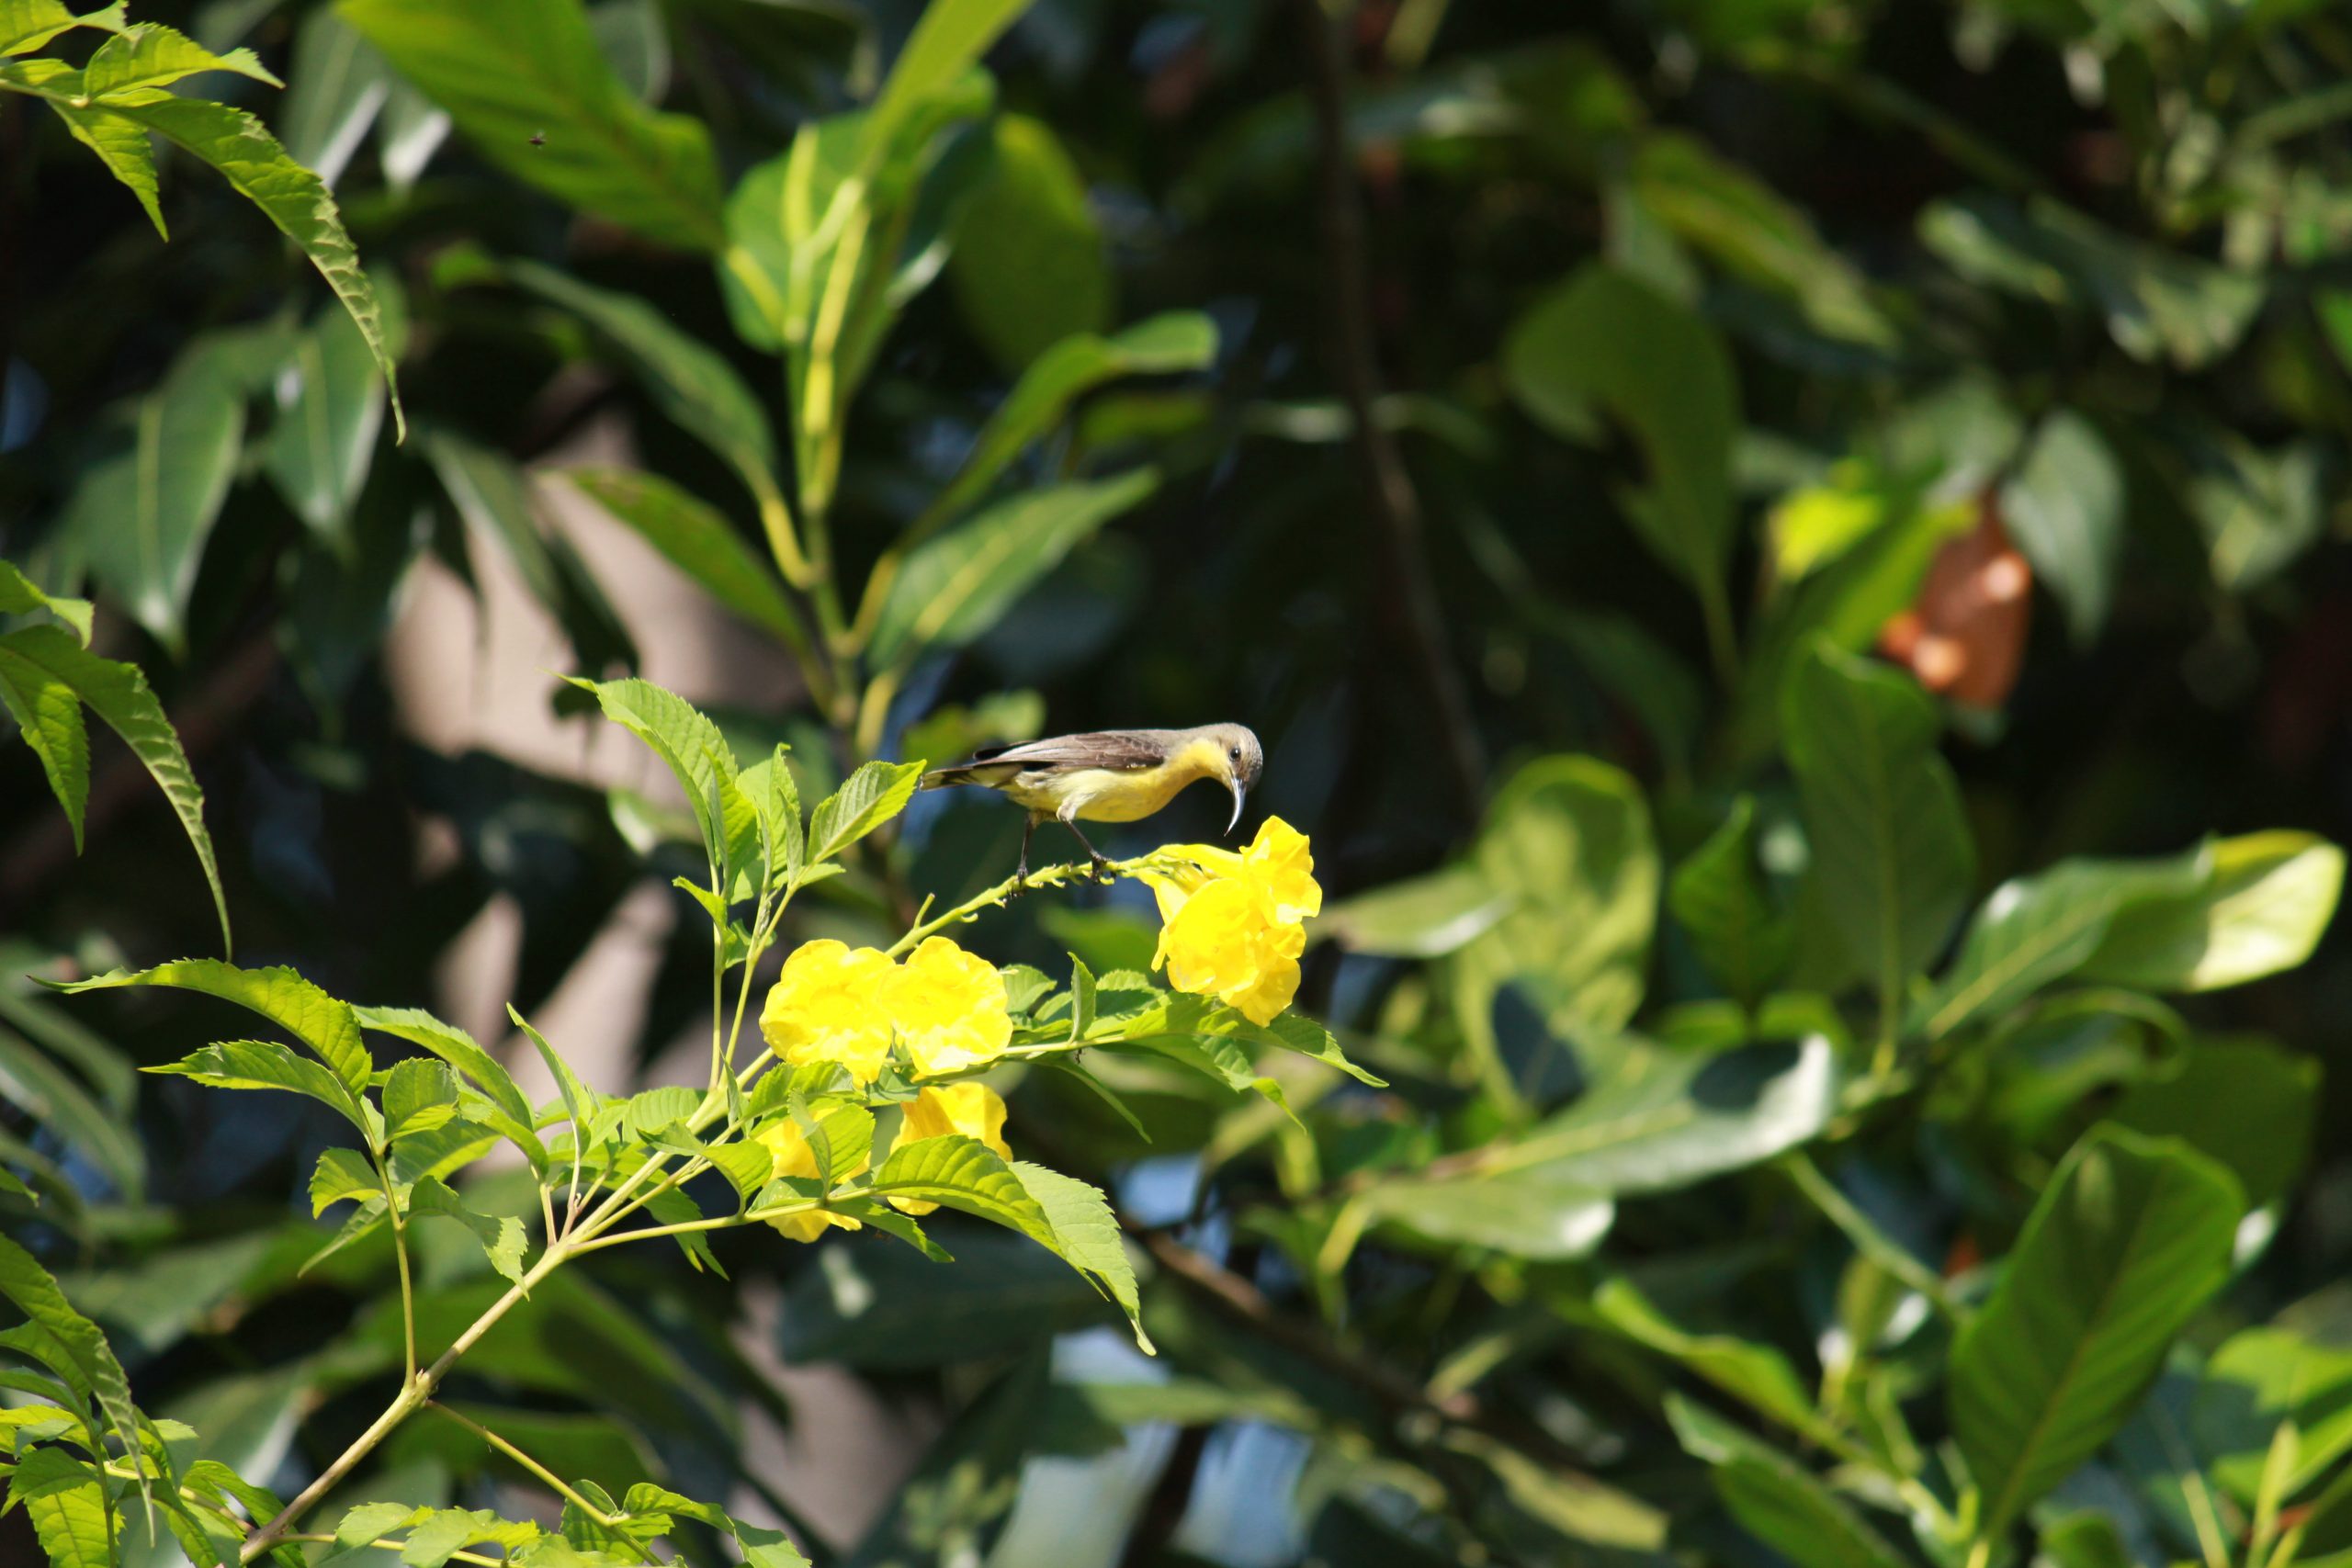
x=1783 y=557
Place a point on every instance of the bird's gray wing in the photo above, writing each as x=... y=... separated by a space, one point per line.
x=1119 y=750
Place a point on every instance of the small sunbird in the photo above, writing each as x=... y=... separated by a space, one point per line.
x=1108 y=775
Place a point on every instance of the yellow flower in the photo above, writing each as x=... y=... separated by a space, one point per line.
x=827 y=1006
x=949 y=1008
x=972 y=1108
x=1279 y=860
x=789 y=1147
x=1227 y=939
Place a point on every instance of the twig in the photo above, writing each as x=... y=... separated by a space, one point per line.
x=527 y=1461
x=1389 y=494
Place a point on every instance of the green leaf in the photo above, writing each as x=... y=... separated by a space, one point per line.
x=98 y=1128
x=697 y=541
x=1084 y=1232
x=1756 y=1374
x=868 y=798
x=1665 y=1119
x=510 y=70
x=1891 y=851
x=48 y=715
x=74 y=1337
x=1752 y=233
x=2037 y=930
x=2159 y=302
x=1028 y=267
x=650 y=1111
x=2086 y=1539
x=501 y=1238
x=264 y=1064
x=419 y=1096
x=2128 y=1238
x=2248 y=1104
x=2259 y=511
x=1719 y=897
x=146 y=503
x=242 y=149
x=1528 y=1213
x=343 y=1174
x=578 y=1100
x=949 y=40
x=2270 y=897
x=747 y=1166
x=118 y=695
x=1567 y=845
x=19 y=595
x=2064 y=508
x=330 y=408
x=774 y=795
x=955 y=587
x=327 y=1026
x=26 y=25
x=75 y=1524
x=2259 y=1380
x=152 y=55
x=1425 y=917
x=1603 y=339
x=1777 y=1500
x=690 y=382
x=963 y=1173
x=1178 y=341
x=123 y=146
x=697 y=756
x=458 y=1048
x=1296 y=1032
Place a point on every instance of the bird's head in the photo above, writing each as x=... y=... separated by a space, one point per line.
x=1237 y=760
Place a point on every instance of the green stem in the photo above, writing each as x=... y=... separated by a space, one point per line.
x=400 y=1253
x=412 y=1396
x=475 y=1557
x=1866 y=1237
x=528 y=1462
x=1044 y=876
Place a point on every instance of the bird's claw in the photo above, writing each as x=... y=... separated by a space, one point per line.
x=1099 y=871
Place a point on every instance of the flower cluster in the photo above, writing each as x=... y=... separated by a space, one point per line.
x=836 y=1003
x=973 y=1110
x=1233 y=925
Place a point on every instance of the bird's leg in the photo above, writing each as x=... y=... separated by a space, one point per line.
x=1021 y=877
x=1101 y=862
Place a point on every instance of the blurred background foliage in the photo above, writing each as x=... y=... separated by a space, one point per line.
x=1576 y=378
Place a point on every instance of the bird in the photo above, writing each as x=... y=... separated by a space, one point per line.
x=1107 y=776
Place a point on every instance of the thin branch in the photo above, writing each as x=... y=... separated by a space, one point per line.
x=408 y=1291
x=527 y=1461
x=1044 y=876
x=1389 y=494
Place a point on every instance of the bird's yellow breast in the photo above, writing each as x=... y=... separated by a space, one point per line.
x=1111 y=795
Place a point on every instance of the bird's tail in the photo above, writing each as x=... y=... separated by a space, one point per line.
x=941 y=778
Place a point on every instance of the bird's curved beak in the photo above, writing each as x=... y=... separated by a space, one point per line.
x=1240 y=790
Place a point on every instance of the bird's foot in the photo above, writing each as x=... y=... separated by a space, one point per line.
x=1099 y=870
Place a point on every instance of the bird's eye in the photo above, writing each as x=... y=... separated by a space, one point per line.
x=1235 y=753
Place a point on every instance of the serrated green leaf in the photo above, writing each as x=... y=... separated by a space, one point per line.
x=19 y=595
x=868 y=798
x=48 y=715
x=458 y=1048
x=343 y=1174
x=26 y=25
x=419 y=1096
x=118 y=695
x=697 y=756
x=77 y=1340
x=264 y=1064
x=1085 y=1234
x=242 y=149
x=650 y=1111
x=152 y=55
x=501 y=1236
x=324 y=1024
